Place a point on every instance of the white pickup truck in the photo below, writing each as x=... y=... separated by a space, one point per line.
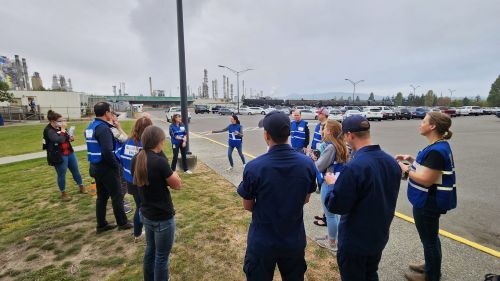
x=175 y=110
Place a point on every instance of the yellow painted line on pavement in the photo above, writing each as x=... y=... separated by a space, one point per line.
x=402 y=216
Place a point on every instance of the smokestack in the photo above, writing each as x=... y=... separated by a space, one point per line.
x=150 y=86
x=70 y=86
x=55 y=83
x=26 y=77
x=114 y=90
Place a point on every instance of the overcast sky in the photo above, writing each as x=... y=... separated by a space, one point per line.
x=295 y=46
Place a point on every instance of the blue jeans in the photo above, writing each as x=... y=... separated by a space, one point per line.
x=427 y=223
x=137 y=216
x=69 y=162
x=159 y=241
x=332 y=220
x=230 y=154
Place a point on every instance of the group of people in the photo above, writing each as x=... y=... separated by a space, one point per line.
x=358 y=182
x=359 y=185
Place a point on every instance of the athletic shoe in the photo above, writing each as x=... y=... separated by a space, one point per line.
x=327 y=245
x=188 y=172
x=229 y=169
x=127 y=209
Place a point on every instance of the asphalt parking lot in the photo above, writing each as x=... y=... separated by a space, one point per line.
x=475 y=145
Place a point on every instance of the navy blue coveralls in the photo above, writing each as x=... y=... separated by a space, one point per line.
x=279 y=182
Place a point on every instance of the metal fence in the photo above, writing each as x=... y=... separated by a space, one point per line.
x=25 y=113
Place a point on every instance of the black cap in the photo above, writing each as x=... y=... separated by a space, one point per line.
x=276 y=123
x=353 y=124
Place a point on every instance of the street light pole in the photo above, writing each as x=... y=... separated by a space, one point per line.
x=237 y=81
x=451 y=93
x=414 y=88
x=182 y=71
x=354 y=87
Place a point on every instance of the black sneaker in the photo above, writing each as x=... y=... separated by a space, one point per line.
x=105 y=228
x=125 y=226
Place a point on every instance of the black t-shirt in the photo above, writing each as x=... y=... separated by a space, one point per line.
x=433 y=160
x=156 y=201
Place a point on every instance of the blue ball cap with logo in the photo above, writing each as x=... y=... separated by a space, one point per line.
x=276 y=123
x=354 y=124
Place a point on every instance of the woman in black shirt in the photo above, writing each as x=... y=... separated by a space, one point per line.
x=152 y=175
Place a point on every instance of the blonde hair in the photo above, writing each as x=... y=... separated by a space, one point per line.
x=442 y=122
x=342 y=154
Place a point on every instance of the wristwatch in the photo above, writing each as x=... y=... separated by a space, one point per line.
x=407 y=172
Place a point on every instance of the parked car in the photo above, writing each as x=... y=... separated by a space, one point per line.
x=448 y=110
x=488 y=111
x=283 y=109
x=258 y=109
x=474 y=110
x=402 y=113
x=462 y=111
x=349 y=107
x=215 y=109
x=175 y=110
x=249 y=111
x=226 y=111
x=269 y=109
x=201 y=109
x=308 y=114
x=353 y=112
x=336 y=114
x=419 y=112
x=497 y=114
x=373 y=113
x=388 y=113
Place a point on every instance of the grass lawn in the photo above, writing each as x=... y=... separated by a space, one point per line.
x=42 y=238
x=15 y=140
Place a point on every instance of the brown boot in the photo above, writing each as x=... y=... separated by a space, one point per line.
x=65 y=196
x=417 y=267
x=414 y=276
x=83 y=190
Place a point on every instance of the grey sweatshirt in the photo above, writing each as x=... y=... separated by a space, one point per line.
x=326 y=158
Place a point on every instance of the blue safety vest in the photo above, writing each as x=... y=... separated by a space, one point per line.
x=128 y=150
x=317 y=136
x=445 y=186
x=298 y=134
x=93 y=148
x=177 y=131
x=335 y=167
x=235 y=140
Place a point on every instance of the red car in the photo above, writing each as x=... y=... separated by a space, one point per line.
x=447 y=110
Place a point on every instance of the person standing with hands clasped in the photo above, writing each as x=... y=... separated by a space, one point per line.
x=275 y=187
x=365 y=195
x=235 y=140
x=178 y=138
x=152 y=176
x=299 y=133
x=431 y=191
x=60 y=154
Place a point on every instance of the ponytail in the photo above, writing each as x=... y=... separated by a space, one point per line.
x=141 y=169
x=447 y=135
x=52 y=115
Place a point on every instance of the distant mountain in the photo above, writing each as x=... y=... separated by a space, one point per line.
x=327 y=96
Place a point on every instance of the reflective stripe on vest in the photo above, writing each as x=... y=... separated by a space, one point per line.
x=93 y=148
x=317 y=136
x=445 y=185
x=234 y=140
x=126 y=153
x=298 y=134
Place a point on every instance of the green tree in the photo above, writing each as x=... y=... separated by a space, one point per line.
x=4 y=94
x=371 y=97
x=429 y=98
x=494 y=95
x=357 y=99
x=466 y=101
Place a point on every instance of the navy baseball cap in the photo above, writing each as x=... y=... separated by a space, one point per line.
x=276 y=123
x=354 y=124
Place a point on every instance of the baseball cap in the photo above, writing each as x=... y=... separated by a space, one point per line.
x=323 y=111
x=354 y=124
x=276 y=123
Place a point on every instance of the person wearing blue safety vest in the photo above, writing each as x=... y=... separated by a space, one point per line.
x=275 y=187
x=126 y=152
x=333 y=157
x=104 y=167
x=322 y=117
x=431 y=191
x=365 y=195
x=235 y=140
x=299 y=133
x=178 y=138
